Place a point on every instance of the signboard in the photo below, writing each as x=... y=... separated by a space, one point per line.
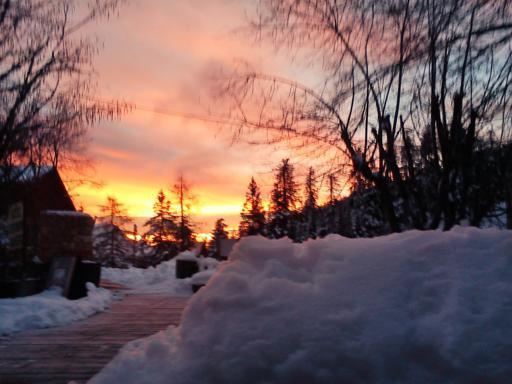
x=61 y=273
x=15 y=226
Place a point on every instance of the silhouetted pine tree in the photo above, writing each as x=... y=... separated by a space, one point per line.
x=111 y=247
x=184 y=231
x=162 y=229
x=283 y=201
x=331 y=224
x=253 y=215
x=366 y=214
x=219 y=232
x=310 y=208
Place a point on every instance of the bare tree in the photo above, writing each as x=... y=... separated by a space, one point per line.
x=399 y=75
x=46 y=85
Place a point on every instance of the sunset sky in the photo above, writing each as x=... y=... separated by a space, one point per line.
x=158 y=55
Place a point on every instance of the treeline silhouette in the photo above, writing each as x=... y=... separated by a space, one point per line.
x=295 y=211
x=414 y=103
x=168 y=232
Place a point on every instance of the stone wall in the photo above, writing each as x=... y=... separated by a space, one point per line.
x=65 y=233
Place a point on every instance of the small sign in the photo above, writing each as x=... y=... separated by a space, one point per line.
x=15 y=226
x=61 y=273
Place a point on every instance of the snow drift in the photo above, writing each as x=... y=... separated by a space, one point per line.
x=159 y=279
x=413 y=307
x=50 y=308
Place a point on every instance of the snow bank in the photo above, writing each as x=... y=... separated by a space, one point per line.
x=201 y=278
x=49 y=309
x=159 y=279
x=416 y=307
x=208 y=263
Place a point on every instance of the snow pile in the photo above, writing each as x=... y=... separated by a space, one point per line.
x=208 y=263
x=159 y=279
x=207 y=268
x=413 y=307
x=49 y=309
x=202 y=277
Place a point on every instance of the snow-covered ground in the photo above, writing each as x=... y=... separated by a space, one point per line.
x=49 y=309
x=159 y=279
x=416 y=307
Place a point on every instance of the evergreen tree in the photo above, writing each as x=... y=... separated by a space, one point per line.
x=309 y=210
x=333 y=185
x=111 y=247
x=219 y=232
x=253 y=215
x=184 y=230
x=331 y=225
x=162 y=229
x=114 y=212
x=366 y=215
x=283 y=200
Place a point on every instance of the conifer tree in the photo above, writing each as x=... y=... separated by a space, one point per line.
x=184 y=231
x=253 y=215
x=333 y=184
x=309 y=210
x=111 y=246
x=283 y=200
x=114 y=212
x=162 y=229
x=331 y=222
x=219 y=232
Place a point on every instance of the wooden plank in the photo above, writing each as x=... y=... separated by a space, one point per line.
x=78 y=351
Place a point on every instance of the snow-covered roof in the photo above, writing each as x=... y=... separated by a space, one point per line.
x=25 y=174
x=66 y=213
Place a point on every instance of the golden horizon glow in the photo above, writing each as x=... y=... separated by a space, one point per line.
x=133 y=237
x=135 y=206
x=203 y=237
x=216 y=209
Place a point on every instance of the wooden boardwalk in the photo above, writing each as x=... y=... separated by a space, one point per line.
x=78 y=351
